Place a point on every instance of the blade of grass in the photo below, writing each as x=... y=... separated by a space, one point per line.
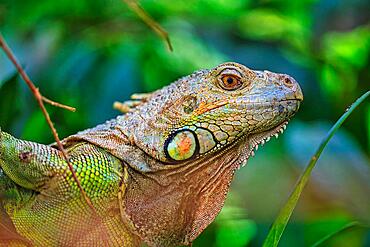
x=278 y=227
x=341 y=229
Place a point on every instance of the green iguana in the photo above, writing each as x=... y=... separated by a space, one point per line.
x=158 y=174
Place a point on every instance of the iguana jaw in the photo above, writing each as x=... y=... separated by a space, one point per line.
x=252 y=142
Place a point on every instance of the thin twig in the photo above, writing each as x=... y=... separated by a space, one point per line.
x=145 y=17
x=25 y=77
x=40 y=100
x=53 y=103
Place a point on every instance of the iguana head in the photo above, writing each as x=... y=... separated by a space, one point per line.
x=201 y=114
x=190 y=137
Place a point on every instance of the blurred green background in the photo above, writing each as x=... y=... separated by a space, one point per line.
x=89 y=54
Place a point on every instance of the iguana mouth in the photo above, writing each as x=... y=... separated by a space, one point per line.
x=266 y=104
x=299 y=100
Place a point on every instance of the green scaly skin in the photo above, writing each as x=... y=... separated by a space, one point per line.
x=46 y=189
x=158 y=174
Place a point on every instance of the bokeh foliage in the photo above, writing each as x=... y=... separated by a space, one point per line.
x=91 y=53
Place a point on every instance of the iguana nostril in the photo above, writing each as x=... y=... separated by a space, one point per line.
x=288 y=81
x=295 y=91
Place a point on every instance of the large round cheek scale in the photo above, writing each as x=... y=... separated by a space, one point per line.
x=182 y=146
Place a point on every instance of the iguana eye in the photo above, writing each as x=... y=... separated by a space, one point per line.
x=230 y=82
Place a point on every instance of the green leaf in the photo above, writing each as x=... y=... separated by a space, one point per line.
x=270 y=24
x=233 y=228
x=330 y=235
x=336 y=82
x=281 y=221
x=265 y=24
x=235 y=233
x=347 y=48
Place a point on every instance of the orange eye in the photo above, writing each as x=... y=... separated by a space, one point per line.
x=230 y=82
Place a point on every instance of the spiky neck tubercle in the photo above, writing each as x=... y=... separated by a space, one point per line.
x=253 y=142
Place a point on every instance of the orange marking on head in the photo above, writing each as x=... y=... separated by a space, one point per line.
x=203 y=107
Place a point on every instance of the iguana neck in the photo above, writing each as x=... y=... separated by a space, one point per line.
x=172 y=207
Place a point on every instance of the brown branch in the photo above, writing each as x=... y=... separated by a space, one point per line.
x=53 y=103
x=145 y=17
x=40 y=100
x=25 y=77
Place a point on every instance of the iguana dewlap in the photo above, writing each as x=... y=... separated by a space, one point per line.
x=158 y=174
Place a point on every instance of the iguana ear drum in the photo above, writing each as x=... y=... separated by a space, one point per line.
x=181 y=145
